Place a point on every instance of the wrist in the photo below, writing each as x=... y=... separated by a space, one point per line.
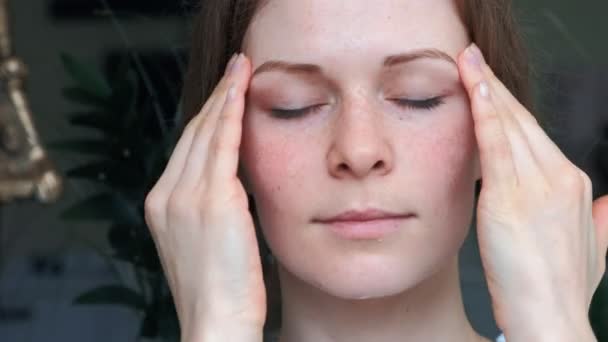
x=228 y=331
x=551 y=328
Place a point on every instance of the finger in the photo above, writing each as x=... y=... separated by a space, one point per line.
x=175 y=165
x=495 y=152
x=198 y=151
x=226 y=140
x=217 y=97
x=548 y=154
x=525 y=162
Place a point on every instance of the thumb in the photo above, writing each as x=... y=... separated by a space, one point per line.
x=600 y=220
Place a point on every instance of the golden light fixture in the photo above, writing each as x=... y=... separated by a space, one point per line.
x=25 y=169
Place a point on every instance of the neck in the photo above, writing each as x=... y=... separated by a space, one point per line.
x=431 y=311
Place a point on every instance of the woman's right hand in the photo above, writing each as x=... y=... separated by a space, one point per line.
x=198 y=214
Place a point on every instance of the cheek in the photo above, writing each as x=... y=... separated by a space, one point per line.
x=448 y=179
x=275 y=163
x=435 y=164
x=449 y=145
x=452 y=151
x=280 y=171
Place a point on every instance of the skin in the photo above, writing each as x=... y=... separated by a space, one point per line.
x=542 y=238
x=359 y=148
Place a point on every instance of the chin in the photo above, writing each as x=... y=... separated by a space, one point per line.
x=360 y=292
x=367 y=278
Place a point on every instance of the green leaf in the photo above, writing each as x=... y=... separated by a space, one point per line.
x=156 y=156
x=83 y=97
x=104 y=122
x=96 y=207
x=103 y=207
x=119 y=174
x=124 y=95
x=112 y=294
x=87 y=78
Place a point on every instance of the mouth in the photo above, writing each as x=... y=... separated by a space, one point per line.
x=364 y=215
x=369 y=224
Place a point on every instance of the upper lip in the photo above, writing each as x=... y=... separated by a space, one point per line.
x=363 y=215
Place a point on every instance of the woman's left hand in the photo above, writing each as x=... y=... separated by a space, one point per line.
x=542 y=239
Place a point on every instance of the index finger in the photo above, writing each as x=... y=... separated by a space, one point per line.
x=495 y=152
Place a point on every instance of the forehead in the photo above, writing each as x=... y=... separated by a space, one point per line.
x=318 y=31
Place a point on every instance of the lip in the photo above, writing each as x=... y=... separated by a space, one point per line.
x=370 y=214
x=365 y=224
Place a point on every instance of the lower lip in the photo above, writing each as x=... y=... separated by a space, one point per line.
x=362 y=230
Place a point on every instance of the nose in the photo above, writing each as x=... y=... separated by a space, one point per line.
x=360 y=146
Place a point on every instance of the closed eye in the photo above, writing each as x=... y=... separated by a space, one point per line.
x=425 y=104
x=286 y=113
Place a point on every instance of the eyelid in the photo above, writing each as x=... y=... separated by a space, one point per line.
x=295 y=112
x=416 y=104
x=425 y=104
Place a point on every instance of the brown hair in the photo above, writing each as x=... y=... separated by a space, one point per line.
x=218 y=32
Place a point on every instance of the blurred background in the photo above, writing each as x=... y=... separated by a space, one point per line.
x=103 y=84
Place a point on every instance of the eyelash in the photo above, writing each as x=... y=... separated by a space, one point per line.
x=425 y=104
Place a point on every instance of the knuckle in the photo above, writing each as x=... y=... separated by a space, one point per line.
x=586 y=180
x=527 y=118
x=223 y=117
x=153 y=207
x=572 y=181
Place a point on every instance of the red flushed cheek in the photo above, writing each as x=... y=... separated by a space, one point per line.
x=283 y=172
x=287 y=166
x=274 y=161
x=451 y=153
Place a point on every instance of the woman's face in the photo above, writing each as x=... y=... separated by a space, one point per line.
x=388 y=126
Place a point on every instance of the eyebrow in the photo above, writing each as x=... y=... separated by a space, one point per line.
x=389 y=61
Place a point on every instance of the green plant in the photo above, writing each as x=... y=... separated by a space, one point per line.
x=128 y=154
x=128 y=161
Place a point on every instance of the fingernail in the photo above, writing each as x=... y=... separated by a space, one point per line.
x=237 y=63
x=477 y=53
x=474 y=56
x=230 y=63
x=484 y=90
